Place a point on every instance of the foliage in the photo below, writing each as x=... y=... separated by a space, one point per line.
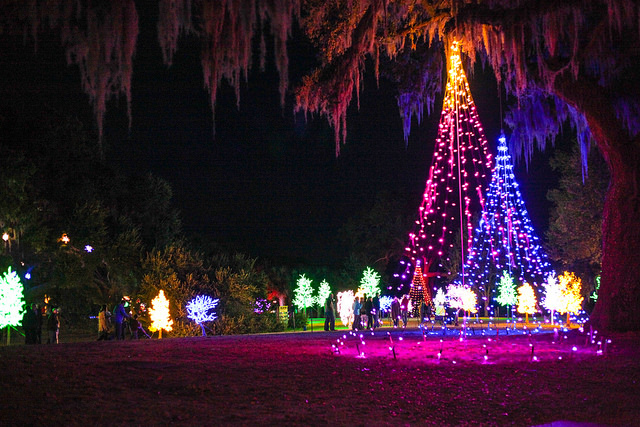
x=575 y=228
x=248 y=324
x=11 y=299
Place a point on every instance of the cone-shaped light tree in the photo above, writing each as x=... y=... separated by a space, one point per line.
x=159 y=313
x=504 y=242
x=458 y=171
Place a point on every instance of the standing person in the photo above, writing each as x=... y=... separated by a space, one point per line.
x=39 y=321
x=395 y=311
x=53 y=325
x=29 y=324
x=134 y=326
x=404 y=310
x=368 y=305
x=330 y=313
x=120 y=314
x=423 y=311
x=356 y=314
x=103 y=323
x=376 y=312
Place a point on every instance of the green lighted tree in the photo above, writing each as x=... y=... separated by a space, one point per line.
x=370 y=282
x=303 y=293
x=323 y=293
x=11 y=300
x=507 y=293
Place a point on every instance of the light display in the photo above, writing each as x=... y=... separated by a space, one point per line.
x=439 y=301
x=419 y=290
x=504 y=239
x=457 y=174
x=303 y=293
x=159 y=313
x=370 y=282
x=345 y=307
x=526 y=301
x=385 y=303
x=11 y=299
x=202 y=309
x=507 y=293
x=462 y=297
x=594 y=294
x=553 y=299
x=571 y=288
x=323 y=292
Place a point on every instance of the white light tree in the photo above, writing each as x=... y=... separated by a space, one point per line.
x=11 y=301
x=526 y=301
x=159 y=313
x=370 y=283
x=345 y=307
x=303 y=293
x=462 y=298
x=202 y=309
x=553 y=298
x=507 y=293
x=439 y=300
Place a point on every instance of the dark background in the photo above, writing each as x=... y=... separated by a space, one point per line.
x=267 y=182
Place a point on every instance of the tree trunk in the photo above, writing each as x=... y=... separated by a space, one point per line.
x=618 y=305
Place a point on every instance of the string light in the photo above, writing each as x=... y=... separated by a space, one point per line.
x=11 y=299
x=526 y=301
x=303 y=293
x=202 y=309
x=504 y=240
x=370 y=282
x=456 y=176
x=159 y=313
x=345 y=307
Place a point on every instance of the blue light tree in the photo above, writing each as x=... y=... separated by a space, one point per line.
x=504 y=241
x=202 y=309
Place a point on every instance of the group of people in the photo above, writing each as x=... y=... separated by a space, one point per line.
x=366 y=309
x=35 y=317
x=121 y=320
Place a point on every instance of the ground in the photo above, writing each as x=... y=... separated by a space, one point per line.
x=300 y=379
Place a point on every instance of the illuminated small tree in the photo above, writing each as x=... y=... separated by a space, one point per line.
x=11 y=301
x=345 y=307
x=323 y=293
x=370 y=282
x=571 y=288
x=553 y=299
x=462 y=298
x=303 y=293
x=439 y=301
x=507 y=293
x=526 y=301
x=202 y=309
x=159 y=313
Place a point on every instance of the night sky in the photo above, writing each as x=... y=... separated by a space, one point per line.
x=268 y=183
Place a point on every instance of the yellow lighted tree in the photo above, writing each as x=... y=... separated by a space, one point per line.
x=526 y=301
x=571 y=287
x=159 y=313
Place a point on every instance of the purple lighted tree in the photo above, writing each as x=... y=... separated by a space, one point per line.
x=201 y=309
x=458 y=171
